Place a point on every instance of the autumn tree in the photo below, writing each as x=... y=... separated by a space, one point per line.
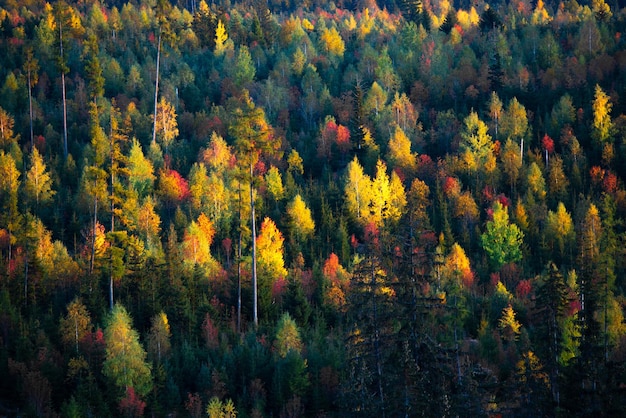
x=165 y=123
x=271 y=260
x=253 y=136
x=159 y=344
x=125 y=362
x=31 y=67
x=560 y=228
x=67 y=22
x=38 y=184
x=602 y=125
x=399 y=152
x=301 y=224
x=476 y=146
x=502 y=240
x=11 y=218
x=76 y=324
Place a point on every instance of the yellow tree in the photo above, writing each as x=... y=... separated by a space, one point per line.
x=476 y=145
x=399 y=152
x=38 y=183
x=300 y=218
x=141 y=172
x=511 y=162
x=560 y=227
x=165 y=123
x=75 y=324
x=271 y=261
x=125 y=362
x=602 y=126
x=197 y=242
x=357 y=190
x=159 y=337
x=221 y=36
x=332 y=42
x=253 y=137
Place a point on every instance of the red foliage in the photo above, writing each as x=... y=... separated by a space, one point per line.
x=132 y=405
x=488 y=194
x=504 y=201
x=354 y=242
x=331 y=265
x=468 y=279
x=426 y=168
x=260 y=168
x=574 y=307
x=494 y=278
x=523 y=289
x=193 y=405
x=343 y=139
x=93 y=345
x=609 y=185
x=548 y=144
x=210 y=332
x=279 y=287
x=371 y=234
x=175 y=186
x=597 y=174
x=451 y=186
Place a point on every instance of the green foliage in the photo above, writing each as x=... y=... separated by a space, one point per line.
x=389 y=156
x=125 y=359
x=502 y=240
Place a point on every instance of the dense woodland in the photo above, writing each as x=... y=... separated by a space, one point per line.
x=312 y=209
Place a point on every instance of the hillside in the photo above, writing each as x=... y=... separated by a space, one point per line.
x=312 y=209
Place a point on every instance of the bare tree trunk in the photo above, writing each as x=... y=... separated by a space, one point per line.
x=254 y=276
x=239 y=269
x=156 y=88
x=65 y=151
x=30 y=110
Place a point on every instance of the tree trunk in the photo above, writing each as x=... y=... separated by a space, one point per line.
x=156 y=89
x=254 y=277
x=30 y=110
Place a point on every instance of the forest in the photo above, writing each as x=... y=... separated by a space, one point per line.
x=271 y=208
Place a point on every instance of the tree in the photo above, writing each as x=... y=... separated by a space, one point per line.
x=125 y=362
x=141 y=172
x=476 y=145
x=159 y=337
x=10 y=218
x=495 y=111
x=38 y=185
x=301 y=222
x=65 y=18
x=221 y=36
x=332 y=42
x=253 y=136
x=602 y=126
x=560 y=227
x=7 y=135
x=165 y=123
x=31 y=67
x=512 y=162
x=243 y=70
x=399 y=152
x=271 y=263
x=76 y=324
x=287 y=336
x=502 y=240
x=162 y=10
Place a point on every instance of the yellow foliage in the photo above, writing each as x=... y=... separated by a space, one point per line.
x=300 y=218
x=332 y=42
x=270 y=250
